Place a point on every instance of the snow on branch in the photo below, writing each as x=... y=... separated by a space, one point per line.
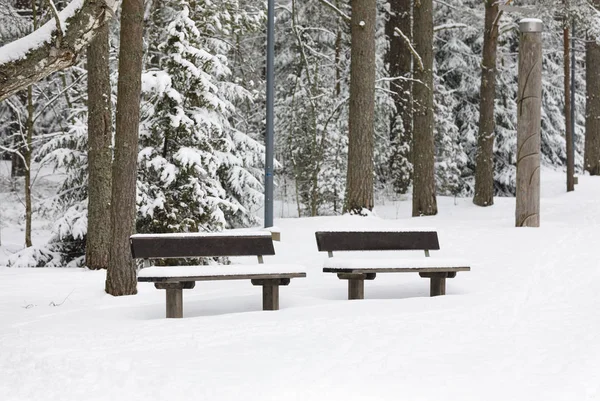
x=55 y=46
x=410 y=46
x=449 y=26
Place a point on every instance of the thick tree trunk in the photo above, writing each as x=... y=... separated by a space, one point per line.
x=17 y=73
x=592 y=106
x=484 y=171
x=121 y=275
x=568 y=126
x=99 y=152
x=359 y=182
x=399 y=59
x=424 y=201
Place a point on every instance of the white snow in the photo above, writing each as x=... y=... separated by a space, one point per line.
x=522 y=325
x=19 y=48
x=229 y=270
x=399 y=262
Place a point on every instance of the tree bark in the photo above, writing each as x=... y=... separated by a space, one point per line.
x=592 y=105
x=484 y=171
x=399 y=59
x=359 y=181
x=99 y=152
x=568 y=126
x=28 y=152
x=61 y=52
x=121 y=275
x=424 y=201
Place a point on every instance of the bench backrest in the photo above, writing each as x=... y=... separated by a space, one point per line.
x=192 y=245
x=330 y=241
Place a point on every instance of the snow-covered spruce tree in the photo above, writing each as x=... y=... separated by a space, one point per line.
x=197 y=171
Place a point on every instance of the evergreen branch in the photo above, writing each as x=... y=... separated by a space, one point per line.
x=410 y=46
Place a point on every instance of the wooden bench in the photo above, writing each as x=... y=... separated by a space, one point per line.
x=174 y=279
x=357 y=270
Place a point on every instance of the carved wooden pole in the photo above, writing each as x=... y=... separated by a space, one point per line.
x=529 y=104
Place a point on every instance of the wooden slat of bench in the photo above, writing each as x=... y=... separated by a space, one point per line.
x=396 y=269
x=257 y=276
x=376 y=240
x=192 y=245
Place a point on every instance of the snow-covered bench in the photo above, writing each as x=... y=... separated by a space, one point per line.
x=174 y=279
x=356 y=270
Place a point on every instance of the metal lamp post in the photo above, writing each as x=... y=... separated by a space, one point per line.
x=269 y=135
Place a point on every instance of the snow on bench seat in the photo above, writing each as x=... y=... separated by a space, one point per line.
x=220 y=272
x=345 y=264
x=228 y=233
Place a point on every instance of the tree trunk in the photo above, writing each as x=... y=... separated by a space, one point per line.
x=399 y=59
x=99 y=152
x=359 y=181
x=424 y=201
x=568 y=126
x=28 y=151
x=484 y=171
x=592 y=106
x=62 y=51
x=121 y=275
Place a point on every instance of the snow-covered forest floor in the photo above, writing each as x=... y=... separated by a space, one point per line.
x=524 y=324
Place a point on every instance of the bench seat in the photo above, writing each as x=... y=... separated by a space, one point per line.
x=425 y=265
x=228 y=272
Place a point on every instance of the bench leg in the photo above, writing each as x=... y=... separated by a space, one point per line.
x=174 y=297
x=270 y=291
x=437 y=284
x=270 y=297
x=174 y=303
x=356 y=289
x=356 y=283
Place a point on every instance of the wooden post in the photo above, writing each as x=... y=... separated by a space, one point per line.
x=529 y=102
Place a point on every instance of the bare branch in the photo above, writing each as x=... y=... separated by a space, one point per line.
x=59 y=31
x=410 y=46
x=339 y=12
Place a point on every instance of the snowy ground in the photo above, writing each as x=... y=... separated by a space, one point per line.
x=524 y=324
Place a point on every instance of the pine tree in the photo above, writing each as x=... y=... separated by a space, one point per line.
x=197 y=171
